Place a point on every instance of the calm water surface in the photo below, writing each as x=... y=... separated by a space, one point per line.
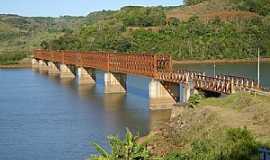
x=43 y=117
x=248 y=70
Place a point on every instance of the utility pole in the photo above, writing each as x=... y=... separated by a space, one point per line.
x=258 y=68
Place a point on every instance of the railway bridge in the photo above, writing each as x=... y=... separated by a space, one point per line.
x=166 y=87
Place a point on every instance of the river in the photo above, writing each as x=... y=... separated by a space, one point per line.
x=244 y=69
x=43 y=117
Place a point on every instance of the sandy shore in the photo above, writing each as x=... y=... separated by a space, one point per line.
x=221 y=61
x=15 y=66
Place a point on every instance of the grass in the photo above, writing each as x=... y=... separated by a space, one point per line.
x=209 y=121
x=237 y=101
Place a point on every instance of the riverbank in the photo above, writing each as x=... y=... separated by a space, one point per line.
x=209 y=124
x=221 y=61
x=25 y=63
x=15 y=66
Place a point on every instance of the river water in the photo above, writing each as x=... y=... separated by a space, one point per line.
x=43 y=117
x=247 y=69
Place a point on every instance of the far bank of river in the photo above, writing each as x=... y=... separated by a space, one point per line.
x=15 y=66
x=27 y=63
x=222 y=61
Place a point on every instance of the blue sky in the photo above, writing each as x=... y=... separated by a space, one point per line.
x=72 y=7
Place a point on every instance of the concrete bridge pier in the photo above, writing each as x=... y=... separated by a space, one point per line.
x=35 y=64
x=185 y=92
x=86 y=75
x=43 y=66
x=54 y=68
x=163 y=95
x=66 y=71
x=115 y=83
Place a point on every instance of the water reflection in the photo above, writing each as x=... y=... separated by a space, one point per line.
x=86 y=90
x=114 y=102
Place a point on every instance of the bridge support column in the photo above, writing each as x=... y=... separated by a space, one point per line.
x=115 y=83
x=86 y=75
x=35 y=64
x=185 y=92
x=43 y=66
x=162 y=95
x=66 y=72
x=53 y=68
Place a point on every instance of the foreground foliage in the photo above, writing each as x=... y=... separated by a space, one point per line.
x=228 y=144
x=233 y=144
x=194 y=100
x=126 y=149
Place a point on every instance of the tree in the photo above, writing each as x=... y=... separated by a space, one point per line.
x=44 y=45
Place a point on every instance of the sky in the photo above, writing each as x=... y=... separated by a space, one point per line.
x=55 y=8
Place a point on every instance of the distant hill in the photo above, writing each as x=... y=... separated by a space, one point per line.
x=23 y=34
x=209 y=10
x=199 y=29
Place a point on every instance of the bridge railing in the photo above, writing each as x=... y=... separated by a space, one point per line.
x=94 y=59
x=142 y=64
x=213 y=84
x=241 y=82
x=199 y=80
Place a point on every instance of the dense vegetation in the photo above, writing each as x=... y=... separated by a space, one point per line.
x=261 y=7
x=11 y=58
x=146 y=29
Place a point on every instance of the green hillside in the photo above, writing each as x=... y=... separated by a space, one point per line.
x=23 y=34
x=200 y=29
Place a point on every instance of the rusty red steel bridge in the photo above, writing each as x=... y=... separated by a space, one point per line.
x=155 y=66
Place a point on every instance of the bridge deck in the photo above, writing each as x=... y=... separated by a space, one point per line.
x=155 y=66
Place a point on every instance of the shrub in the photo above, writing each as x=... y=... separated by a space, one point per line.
x=194 y=100
x=126 y=149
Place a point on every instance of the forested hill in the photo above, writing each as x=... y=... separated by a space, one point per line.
x=23 y=34
x=199 y=29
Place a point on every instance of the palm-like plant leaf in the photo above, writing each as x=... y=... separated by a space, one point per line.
x=101 y=150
